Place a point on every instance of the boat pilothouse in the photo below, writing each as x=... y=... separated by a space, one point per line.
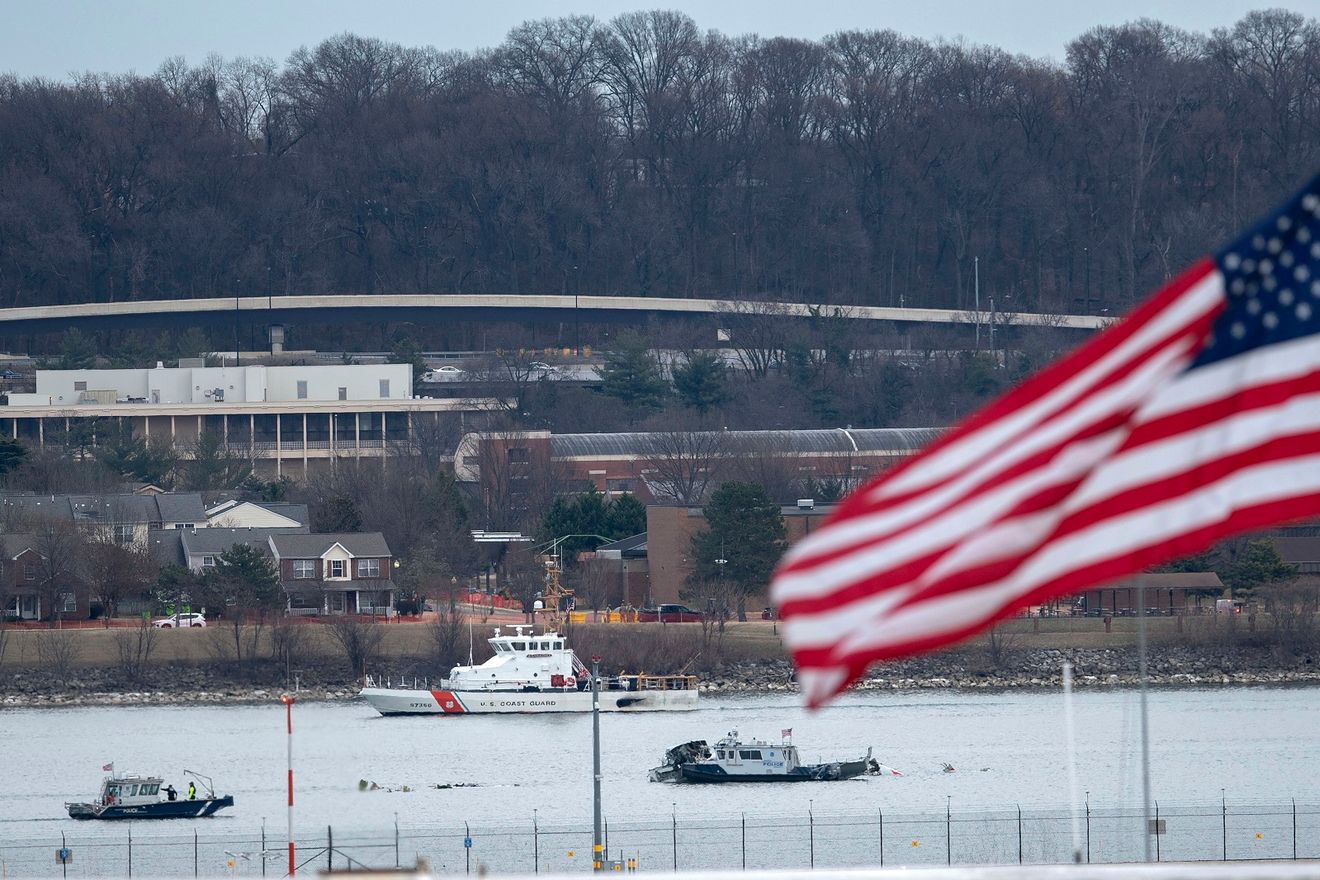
x=531 y=673
x=732 y=760
x=523 y=661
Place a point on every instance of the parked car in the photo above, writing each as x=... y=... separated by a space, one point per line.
x=447 y=373
x=669 y=614
x=540 y=367
x=179 y=621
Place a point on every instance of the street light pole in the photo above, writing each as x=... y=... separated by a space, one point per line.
x=976 y=284
x=288 y=702
x=596 y=856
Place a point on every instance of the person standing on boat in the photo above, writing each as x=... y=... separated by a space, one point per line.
x=171 y=793
x=192 y=791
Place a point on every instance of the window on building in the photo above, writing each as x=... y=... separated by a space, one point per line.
x=208 y=562
x=304 y=569
x=384 y=387
x=79 y=386
x=619 y=485
x=68 y=602
x=343 y=393
x=185 y=525
x=29 y=572
x=302 y=389
x=337 y=568
x=368 y=568
x=123 y=535
x=519 y=454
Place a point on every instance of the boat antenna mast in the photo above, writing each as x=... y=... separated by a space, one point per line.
x=556 y=598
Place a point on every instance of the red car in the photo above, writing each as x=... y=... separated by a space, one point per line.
x=669 y=614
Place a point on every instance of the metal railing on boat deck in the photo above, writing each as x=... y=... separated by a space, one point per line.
x=666 y=682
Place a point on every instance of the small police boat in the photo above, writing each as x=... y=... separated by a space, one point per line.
x=130 y=796
x=732 y=760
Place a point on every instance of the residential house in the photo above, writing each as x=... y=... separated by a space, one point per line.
x=201 y=548
x=125 y=518
x=235 y=514
x=21 y=587
x=335 y=573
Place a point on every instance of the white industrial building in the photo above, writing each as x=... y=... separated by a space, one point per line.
x=250 y=384
x=286 y=419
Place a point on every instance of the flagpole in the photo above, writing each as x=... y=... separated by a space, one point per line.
x=1145 y=719
x=1069 y=733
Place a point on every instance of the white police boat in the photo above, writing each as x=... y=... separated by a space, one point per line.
x=531 y=673
x=131 y=796
x=732 y=760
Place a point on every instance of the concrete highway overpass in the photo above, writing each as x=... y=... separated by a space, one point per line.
x=421 y=308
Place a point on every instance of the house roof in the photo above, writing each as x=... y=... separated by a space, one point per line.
x=165 y=546
x=115 y=508
x=212 y=540
x=124 y=507
x=181 y=507
x=14 y=544
x=1170 y=580
x=633 y=547
x=301 y=546
x=1297 y=549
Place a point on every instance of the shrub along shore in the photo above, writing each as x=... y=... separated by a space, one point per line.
x=107 y=667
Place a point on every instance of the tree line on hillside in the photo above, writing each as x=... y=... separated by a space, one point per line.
x=645 y=155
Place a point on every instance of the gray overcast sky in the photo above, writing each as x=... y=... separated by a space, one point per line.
x=53 y=38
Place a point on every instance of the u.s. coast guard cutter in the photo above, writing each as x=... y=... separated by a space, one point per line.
x=532 y=673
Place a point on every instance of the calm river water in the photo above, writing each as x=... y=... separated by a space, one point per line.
x=1258 y=744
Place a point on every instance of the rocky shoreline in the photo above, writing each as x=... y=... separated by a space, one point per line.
x=966 y=670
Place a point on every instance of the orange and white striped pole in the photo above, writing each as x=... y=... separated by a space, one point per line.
x=288 y=702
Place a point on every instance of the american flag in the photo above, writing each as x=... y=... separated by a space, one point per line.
x=786 y=733
x=1195 y=417
x=108 y=768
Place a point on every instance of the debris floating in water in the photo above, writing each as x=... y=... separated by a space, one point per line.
x=368 y=785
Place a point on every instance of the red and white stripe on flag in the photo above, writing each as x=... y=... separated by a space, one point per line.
x=1195 y=417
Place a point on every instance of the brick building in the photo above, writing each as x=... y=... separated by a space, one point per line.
x=668 y=467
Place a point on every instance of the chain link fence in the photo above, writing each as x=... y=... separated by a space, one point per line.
x=1187 y=831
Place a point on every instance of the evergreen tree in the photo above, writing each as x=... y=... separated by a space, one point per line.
x=632 y=375
x=702 y=382
x=214 y=466
x=745 y=530
x=12 y=455
x=625 y=517
x=1258 y=565
x=407 y=351
x=77 y=352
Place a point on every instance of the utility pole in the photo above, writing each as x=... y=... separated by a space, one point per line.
x=597 y=857
x=976 y=285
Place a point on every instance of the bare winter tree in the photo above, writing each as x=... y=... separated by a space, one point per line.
x=134 y=646
x=60 y=545
x=114 y=571
x=359 y=640
x=758 y=332
x=681 y=466
x=759 y=460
